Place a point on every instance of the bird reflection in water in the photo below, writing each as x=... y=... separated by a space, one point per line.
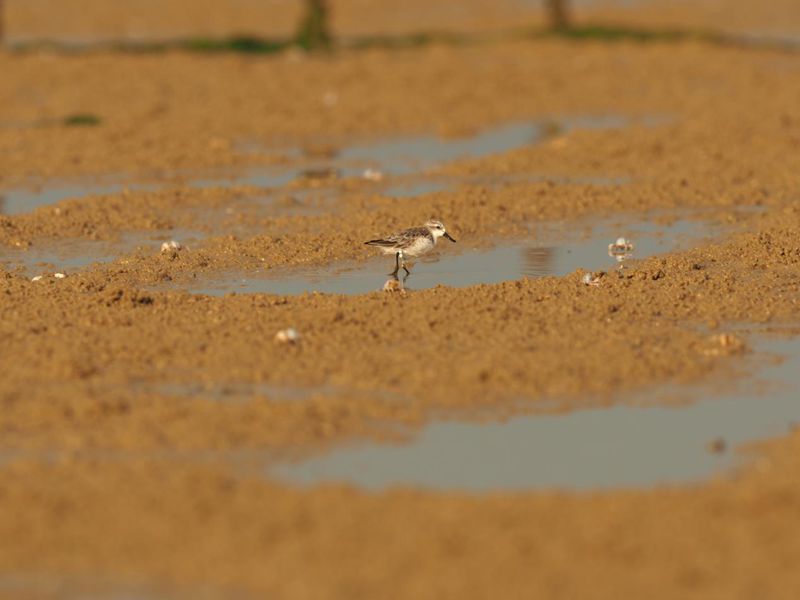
x=621 y=250
x=538 y=261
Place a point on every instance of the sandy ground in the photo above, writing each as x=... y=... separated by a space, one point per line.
x=108 y=478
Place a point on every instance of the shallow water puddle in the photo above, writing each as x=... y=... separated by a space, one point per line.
x=405 y=155
x=400 y=157
x=622 y=446
x=243 y=392
x=22 y=200
x=57 y=255
x=72 y=254
x=411 y=187
x=557 y=250
x=391 y=156
x=46 y=586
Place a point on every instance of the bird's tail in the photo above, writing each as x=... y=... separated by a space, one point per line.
x=383 y=243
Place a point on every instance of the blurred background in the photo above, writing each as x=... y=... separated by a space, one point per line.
x=104 y=20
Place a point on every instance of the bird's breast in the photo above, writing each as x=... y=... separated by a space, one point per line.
x=420 y=246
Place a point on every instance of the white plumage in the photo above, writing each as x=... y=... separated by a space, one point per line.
x=412 y=242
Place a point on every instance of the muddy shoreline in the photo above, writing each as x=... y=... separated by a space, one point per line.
x=109 y=384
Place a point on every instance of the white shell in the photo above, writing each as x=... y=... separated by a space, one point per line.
x=287 y=336
x=372 y=175
x=37 y=278
x=170 y=246
x=591 y=279
x=59 y=275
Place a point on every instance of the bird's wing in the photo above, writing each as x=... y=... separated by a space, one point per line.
x=388 y=243
x=405 y=238
x=401 y=240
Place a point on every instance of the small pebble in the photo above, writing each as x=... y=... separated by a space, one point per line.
x=728 y=340
x=287 y=336
x=59 y=275
x=725 y=344
x=37 y=278
x=394 y=286
x=717 y=446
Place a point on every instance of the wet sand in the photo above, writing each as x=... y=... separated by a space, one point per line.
x=111 y=472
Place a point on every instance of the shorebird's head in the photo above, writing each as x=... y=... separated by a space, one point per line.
x=438 y=230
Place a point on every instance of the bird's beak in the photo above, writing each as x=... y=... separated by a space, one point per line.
x=447 y=235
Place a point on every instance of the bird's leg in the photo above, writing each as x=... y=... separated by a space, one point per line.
x=396 y=264
x=403 y=263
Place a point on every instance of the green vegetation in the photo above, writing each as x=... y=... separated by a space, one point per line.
x=611 y=33
x=241 y=44
x=312 y=35
x=81 y=120
x=414 y=40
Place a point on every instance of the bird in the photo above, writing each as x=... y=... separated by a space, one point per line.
x=411 y=243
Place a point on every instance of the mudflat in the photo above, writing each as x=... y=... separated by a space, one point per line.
x=138 y=419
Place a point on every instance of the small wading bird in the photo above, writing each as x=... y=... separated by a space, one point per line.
x=411 y=243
